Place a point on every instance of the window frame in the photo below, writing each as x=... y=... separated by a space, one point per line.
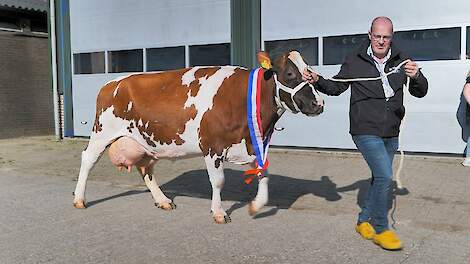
x=316 y=51
x=74 y=63
x=351 y=49
x=147 y=69
x=110 y=62
x=189 y=54
x=458 y=50
x=466 y=55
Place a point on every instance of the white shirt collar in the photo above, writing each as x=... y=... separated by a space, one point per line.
x=370 y=53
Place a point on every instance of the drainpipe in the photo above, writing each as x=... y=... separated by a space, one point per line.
x=53 y=46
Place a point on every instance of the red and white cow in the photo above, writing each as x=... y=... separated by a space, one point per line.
x=188 y=112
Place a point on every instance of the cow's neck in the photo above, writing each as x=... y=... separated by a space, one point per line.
x=269 y=109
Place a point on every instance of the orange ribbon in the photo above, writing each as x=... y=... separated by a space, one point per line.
x=255 y=173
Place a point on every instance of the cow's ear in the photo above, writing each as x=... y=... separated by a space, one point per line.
x=268 y=74
x=264 y=60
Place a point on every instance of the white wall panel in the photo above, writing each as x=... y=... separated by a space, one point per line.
x=431 y=122
x=121 y=24
x=107 y=25
x=300 y=18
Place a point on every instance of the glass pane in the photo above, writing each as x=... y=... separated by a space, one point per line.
x=125 y=60
x=467 y=56
x=308 y=47
x=335 y=49
x=9 y=23
x=209 y=55
x=39 y=24
x=430 y=44
x=86 y=63
x=162 y=59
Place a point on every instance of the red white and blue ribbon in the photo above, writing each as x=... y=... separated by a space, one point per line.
x=260 y=144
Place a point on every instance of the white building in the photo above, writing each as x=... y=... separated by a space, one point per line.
x=110 y=38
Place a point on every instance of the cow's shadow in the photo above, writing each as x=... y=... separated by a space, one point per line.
x=283 y=191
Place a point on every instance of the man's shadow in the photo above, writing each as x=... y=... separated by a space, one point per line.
x=283 y=191
x=363 y=188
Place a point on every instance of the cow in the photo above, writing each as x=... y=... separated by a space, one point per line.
x=198 y=111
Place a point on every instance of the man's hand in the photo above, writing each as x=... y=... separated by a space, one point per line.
x=411 y=69
x=310 y=76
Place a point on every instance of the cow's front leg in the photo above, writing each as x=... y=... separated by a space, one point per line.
x=261 y=198
x=215 y=169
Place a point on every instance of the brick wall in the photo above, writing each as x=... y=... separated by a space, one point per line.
x=26 y=103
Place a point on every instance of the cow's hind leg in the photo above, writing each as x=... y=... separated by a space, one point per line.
x=215 y=169
x=161 y=201
x=90 y=156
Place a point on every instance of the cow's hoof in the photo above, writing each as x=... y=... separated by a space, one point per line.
x=252 y=209
x=222 y=219
x=166 y=206
x=79 y=204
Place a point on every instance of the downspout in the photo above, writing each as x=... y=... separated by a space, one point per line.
x=53 y=45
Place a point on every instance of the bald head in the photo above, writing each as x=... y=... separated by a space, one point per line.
x=380 y=35
x=381 y=21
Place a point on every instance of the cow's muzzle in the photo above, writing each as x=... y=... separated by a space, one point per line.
x=292 y=92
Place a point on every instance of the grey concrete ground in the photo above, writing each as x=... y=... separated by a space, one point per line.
x=310 y=217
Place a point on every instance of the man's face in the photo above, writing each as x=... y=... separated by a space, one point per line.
x=381 y=38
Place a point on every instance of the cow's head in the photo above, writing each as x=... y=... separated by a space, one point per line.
x=292 y=92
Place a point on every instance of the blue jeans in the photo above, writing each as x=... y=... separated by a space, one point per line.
x=378 y=153
x=467 y=149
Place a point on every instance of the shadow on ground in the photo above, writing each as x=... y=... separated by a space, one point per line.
x=283 y=191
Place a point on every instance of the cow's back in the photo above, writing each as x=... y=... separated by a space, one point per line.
x=162 y=111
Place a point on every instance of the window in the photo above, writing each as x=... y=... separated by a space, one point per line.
x=335 y=49
x=9 y=23
x=86 y=63
x=430 y=44
x=209 y=55
x=125 y=60
x=467 y=56
x=162 y=59
x=308 y=47
x=39 y=24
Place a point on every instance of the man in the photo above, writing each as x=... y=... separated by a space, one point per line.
x=466 y=95
x=376 y=110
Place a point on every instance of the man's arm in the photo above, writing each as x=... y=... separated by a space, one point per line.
x=418 y=83
x=327 y=86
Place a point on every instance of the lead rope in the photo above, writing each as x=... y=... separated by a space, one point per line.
x=392 y=70
x=400 y=188
x=402 y=153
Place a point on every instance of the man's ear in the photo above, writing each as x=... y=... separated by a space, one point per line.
x=264 y=60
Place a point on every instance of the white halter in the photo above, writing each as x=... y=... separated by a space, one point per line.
x=295 y=57
x=291 y=91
